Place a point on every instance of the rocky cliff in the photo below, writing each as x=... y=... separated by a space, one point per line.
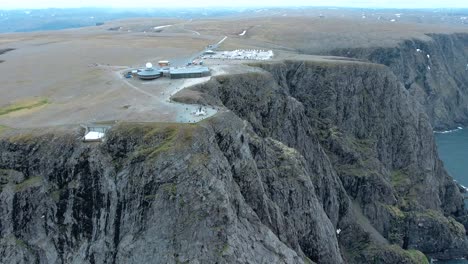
x=309 y=162
x=434 y=71
x=374 y=134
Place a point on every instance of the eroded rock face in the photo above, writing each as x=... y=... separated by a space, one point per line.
x=161 y=194
x=375 y=138
x=305 y=149
x=434 y=72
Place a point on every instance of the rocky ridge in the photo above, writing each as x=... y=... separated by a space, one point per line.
x=302 y=149
x=434 y=71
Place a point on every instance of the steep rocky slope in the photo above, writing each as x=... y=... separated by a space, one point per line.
x=376 y=136
x=303 y=149
x=434 y=71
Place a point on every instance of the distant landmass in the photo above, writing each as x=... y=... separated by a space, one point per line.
x=55 y=19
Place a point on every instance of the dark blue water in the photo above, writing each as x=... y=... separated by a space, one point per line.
x=453 y=150
x=461 y=261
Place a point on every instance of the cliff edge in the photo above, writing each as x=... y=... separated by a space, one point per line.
x=309 y=162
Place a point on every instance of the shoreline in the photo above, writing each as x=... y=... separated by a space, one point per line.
x=448 y=131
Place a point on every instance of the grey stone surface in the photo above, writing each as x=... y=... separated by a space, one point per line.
x=436 y=75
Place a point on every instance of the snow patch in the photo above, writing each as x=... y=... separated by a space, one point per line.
x=160 y=27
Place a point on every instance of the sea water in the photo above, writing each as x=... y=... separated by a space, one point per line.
x=453 y=150
x=456 y=261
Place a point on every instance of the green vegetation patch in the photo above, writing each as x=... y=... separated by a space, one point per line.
x=55 y=195
x=150 y=197
x=31 y=182
x=358 y=245
x=364 y=146
x=24 y=105
x=224 y=250
x=160 y=138
x=396 y=231
x=456 y=226
x=307 y=260
x=170 y=189
x=416 y=256
x=451 y=223
x=20 y=243
x=400 y=179
x=395 y=211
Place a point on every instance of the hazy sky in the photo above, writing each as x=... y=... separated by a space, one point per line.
x=9 y=4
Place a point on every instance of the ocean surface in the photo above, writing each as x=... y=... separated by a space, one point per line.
x=453 y=150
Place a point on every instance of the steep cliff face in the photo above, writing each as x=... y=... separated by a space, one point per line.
x=376 y=137
x=303 y=149
x=381 y=145
x=435 y=72
x=161 y=194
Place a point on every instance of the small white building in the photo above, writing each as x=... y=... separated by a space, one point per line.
x=93 y=136
x=95 y=133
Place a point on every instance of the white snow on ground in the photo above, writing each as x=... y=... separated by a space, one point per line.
x=243 y=33
x=242 y=55
x=160 y=27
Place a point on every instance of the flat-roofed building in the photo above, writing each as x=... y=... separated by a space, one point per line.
x=95 y=133
x=189 y=72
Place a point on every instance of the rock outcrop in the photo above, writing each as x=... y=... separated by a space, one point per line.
x=435 y=72
x=309 y=162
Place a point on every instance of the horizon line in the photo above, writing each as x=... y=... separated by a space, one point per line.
x=228 y=7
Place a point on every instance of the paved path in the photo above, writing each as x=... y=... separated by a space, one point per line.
x=162 y=103
x=182 y=113
x=199 y=54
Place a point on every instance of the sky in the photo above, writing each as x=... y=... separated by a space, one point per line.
x=34 y=4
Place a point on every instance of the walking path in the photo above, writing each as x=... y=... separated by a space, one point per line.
x=161 y=90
